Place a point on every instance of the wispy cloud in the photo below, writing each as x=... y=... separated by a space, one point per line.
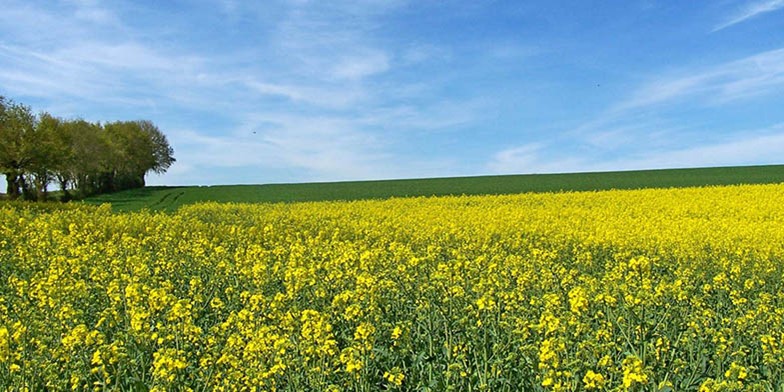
x=322 y=96
x=98 y=72
x=648 y=128
x=87 y=55
x=743 y=148
x=748 y=77
x=749 y=11
x=534 y=158
x=431 y=116
x=92 y=11
x=360 y=65
x=314 y=148
x=332 y=41
x=517 y=159
x=318 y=147
x=649 y=115
x=747 y=147
x=310 y=97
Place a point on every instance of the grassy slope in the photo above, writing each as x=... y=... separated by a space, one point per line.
x=170 y=198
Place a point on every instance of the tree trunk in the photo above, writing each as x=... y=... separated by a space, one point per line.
x=12 y=187
x=28 y=193
x=64 y=188
x=40 y=189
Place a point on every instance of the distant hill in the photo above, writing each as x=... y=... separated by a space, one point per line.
x=170 y=198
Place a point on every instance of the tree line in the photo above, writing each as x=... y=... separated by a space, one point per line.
x=82 y=158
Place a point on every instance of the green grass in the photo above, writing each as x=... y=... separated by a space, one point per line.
x=170 y=198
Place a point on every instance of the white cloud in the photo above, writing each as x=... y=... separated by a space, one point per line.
x=613 y=138
x=649 y=117
x=752 y=76
x=127 y=55
x=333 y=41
x=317 y=148
x=649 y=130
x=79 y=50
x=361 y=65
x=315 y=94
x=337 y=119
x=125 y=73
x=49 y=25
x=751 y=10
x=749 y=147
x=521 y=159
x=97 y=15
x=426 y=117
x=418 y=53
x=743 y=148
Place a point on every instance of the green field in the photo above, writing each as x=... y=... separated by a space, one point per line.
x=170 y=198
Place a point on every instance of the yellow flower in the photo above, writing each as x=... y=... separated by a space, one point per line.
x=97 y=360
x=364 y=332
x=633 y=372
x=605 y=361
x=230 y=297
x=5 y=351
x=216 y=303
x=395 y=376
x=708 y=385
x=593 y=380
x=396 y=332
x=167 y=363
x=317 y=336
x=549 y=353
x=578 y=300
x=485 y=303
x=352 y=360
x=19 y=332
x=736 y=372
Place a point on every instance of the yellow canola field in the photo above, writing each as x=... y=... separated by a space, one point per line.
x=647 y=290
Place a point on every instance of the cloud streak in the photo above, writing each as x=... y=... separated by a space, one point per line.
x=751 y=10
x=752 y=76
x=649 y=130
x=751 y=147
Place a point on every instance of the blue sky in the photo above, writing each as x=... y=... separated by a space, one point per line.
x=298 y=90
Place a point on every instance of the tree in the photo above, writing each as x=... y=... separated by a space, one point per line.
x=63 y=166
x=162 y=152
x=88 y=157
x=139 y=148
x=47 y=151
x=16 y=124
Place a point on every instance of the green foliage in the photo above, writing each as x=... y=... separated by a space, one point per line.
x=171 y=198
x=138 y=147
x=89 y=158
x=16 y=127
